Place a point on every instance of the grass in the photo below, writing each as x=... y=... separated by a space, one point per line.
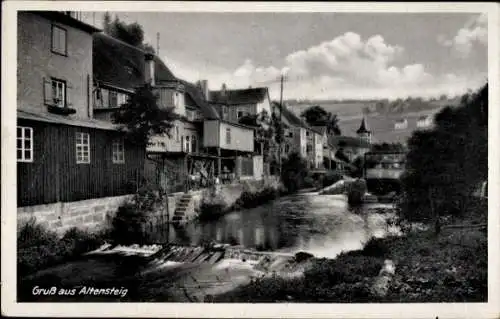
x=449 y=267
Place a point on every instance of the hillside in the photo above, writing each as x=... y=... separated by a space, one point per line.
x=382 y=121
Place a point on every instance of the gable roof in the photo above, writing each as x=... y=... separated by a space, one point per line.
x=240 y=96
x=119 y=64
x=197 y=96
x=319 y=129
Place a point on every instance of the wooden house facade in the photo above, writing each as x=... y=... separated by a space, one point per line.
x=64 y=154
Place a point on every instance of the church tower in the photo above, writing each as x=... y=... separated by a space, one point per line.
x=363 y=131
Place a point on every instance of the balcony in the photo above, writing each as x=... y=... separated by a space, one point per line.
x=194 y=116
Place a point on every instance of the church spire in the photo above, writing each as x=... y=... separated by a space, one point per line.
x=363 y=128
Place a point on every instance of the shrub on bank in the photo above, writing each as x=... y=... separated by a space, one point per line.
x=40 y=248
x=356 y=191
x=211 y=210
x=331 y=178
x=129 y=223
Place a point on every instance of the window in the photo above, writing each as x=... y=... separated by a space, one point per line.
x=121 y=99
x=224 y=112
x=58 y=93
x=307 y=133
x=240 y=113
x=59 y=41
x=228 y=135
x=309 y=148
x=24 y=144
x=194 y=145
x=82 y=148
x=177 y=134
x=187 y=144
x=113 y=99
x=118 y=151
x=287 y=148
x=107 y=98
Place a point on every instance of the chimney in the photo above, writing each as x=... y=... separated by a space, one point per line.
x=149 y=68
x=223 y=90
x=204 y=89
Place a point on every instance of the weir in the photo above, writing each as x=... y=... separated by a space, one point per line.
x=172 y=254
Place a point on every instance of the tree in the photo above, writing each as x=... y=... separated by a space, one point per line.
x=444 y=165
x=317 y=116
x=141 y=117
x=294 y=172
x=132 y=33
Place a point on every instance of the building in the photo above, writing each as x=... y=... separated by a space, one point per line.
x=235 y=104
x=65 y=154
x=201 y=145
x=363 y=132
x=300 y=138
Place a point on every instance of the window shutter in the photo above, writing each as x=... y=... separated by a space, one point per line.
x=68 y=95
x=47 y=92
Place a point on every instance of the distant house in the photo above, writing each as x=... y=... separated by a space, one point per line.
x=424 y=121
x=65 y=154
x=234 y=104
x=401 y=124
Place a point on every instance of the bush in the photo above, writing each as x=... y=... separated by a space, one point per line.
x=294 y=171
x=40 y=248
x=211 y=211
x=127 y=225
x=331 y=178
x=356 y=191
x=375 y=247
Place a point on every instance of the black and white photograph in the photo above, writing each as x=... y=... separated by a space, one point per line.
x=250 y=154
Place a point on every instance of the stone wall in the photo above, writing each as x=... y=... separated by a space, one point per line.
x=92 y=214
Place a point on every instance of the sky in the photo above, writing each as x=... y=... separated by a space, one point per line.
x=322 y=55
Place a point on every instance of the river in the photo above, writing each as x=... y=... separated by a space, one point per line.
x=319 y=224
x=322 y=225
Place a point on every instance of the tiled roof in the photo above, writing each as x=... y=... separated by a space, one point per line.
x=319 y=129
x=347 y=141
x=122 y=65
x=293 y=119
x=241 y=96
x=197 y=96
x=59 y=119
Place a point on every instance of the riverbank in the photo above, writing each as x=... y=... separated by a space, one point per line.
x=449 y=267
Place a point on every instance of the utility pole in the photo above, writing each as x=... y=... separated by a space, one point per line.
x=157 y=43
x=281 y=123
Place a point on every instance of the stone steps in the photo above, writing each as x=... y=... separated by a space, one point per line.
x=182 y=207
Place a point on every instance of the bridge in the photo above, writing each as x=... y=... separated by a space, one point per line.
x=382 y=171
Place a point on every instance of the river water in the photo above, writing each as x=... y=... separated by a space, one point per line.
x=319 y=224
x=323 y=225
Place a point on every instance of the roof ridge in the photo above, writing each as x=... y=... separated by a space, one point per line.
x=123 y=42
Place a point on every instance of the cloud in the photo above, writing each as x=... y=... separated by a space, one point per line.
x=475 y=31
x=345 y=67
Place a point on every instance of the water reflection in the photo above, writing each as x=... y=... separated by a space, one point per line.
x=320 y=224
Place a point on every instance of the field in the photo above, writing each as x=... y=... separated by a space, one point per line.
x=381 y=125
